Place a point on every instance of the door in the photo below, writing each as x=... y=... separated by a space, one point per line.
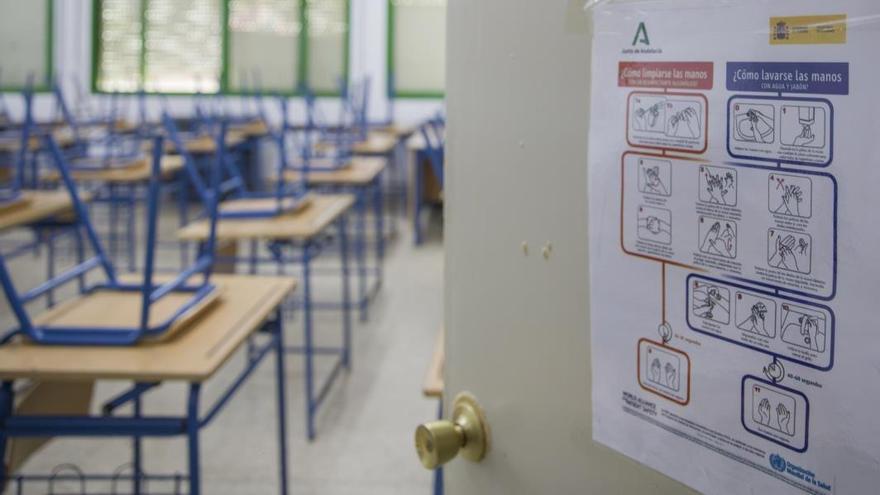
x=517 y=307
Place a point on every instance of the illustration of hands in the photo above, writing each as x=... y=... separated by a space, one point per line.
x=671 y=376
x=810 y=332
x=653 y=181
x=728 y=241
x=708 y=301
x=655 y=370
x=783 y=417
x=718 y=187
x=764 y=412
x=638 y=119
x=720 y=242
x=654 y=225
x=646 y=118
x=806 y=136
x=711 y=237
x=686 y=123
x=792 y=197
x=757 y=320
x=753 y=125
x=784 y=256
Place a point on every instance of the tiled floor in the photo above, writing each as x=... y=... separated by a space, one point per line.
x=365 y=428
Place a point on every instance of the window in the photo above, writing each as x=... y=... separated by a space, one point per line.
x=262 y=33
x=182 y=46
x=327 y=44
x=225 y=46
x=25 y=44
x=416 y=48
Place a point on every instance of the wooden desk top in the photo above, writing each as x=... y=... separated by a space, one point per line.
x=399 y=131
x=139 y=171
x=254 y=128
x=199 y=145
x=320 y=213
x=40 y=205
x=433 y=385
x=377 y=143
x=361 y=171
x=124 y=311
x=416 y=143
x=194 y=354
x=255 y=205
x=10 y=144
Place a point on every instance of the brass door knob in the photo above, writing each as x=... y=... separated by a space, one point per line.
x=438 y=442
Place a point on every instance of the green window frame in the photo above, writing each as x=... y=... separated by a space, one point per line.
x=45 y=83
x=391 y=53
x=227 y=84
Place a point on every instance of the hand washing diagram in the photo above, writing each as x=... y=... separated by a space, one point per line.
x=674 y=121
x=774 y=409
x=655 y=176
x=655 y=224
x=711 y=302
x=649 y=114
x=803 y=126
x=790 y=195
x=781 y=129
x=790 y=251
x=803 y=327
x=664 y=368
x=754 y=123
x=717 y=237
x=756 y=314
x=718 y=185
x=685 y=119
x=730 y=188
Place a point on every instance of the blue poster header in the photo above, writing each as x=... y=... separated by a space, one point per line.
x=789 y=77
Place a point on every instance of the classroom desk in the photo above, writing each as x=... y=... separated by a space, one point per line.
x=64 y=137
x=38 y=212
x=433 y=388
x=399 y=131
x=252 y=133
x=40 y=205
x=304 y=231
x=246 y=305
x=433 y=384
x=255 y=128
x=424 y=186
x=200 y=145
x=376 y=144
x=136 y=172
x=362 y=177
x=118 y=186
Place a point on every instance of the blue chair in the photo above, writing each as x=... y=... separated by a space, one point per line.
x=107 y=148
x=434 y=135
x=286 y=197
x=150 y=292
x=316 y=146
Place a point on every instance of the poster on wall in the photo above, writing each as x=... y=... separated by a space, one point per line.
x=734 y=271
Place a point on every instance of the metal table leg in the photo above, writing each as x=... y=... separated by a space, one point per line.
x=192 y=434
x=280 y=382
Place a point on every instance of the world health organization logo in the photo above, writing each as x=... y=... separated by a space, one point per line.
x=777 y=462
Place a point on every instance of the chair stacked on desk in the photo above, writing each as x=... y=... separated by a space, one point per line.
x=147 y=329
x=429 y=166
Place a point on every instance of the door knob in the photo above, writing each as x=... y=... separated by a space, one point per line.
x=438 y=442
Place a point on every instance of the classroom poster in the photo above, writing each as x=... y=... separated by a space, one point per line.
x=734 y=181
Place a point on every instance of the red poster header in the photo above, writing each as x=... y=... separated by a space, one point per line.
x=667 y=75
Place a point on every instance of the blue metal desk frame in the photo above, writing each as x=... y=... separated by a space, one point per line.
x=138 y=426
x=305 y=252
x=372 y=193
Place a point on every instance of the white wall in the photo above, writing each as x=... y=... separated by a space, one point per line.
x=72 y=48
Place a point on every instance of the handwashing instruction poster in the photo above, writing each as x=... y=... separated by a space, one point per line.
x=734 y=172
